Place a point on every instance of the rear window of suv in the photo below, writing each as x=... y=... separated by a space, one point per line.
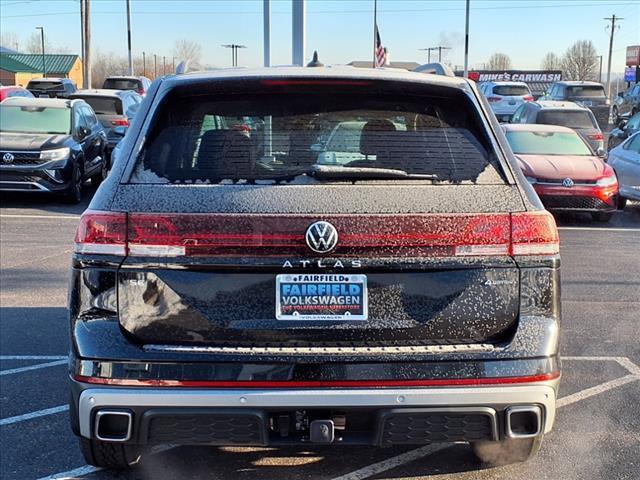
x=567 y=118
x=122 y=84
x=585 y=91
x=45 y=86
x=322 y=135
x=511 y=90
x=104 y=105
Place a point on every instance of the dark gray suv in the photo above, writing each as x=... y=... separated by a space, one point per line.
x=588 y=94
x=252 y=287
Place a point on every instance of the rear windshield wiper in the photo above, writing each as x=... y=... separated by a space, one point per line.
x=325 y=172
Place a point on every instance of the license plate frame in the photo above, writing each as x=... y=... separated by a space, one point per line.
x=329 y=307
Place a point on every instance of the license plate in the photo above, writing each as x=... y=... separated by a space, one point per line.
x=321 y=297
x=586 y=103
x=43 y=96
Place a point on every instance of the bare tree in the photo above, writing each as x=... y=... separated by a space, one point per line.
x=106 y=64
x=34 y=45
x=189 y=51
x=10 y=40
x=580 y=62
x=499 y=61
x=551 y=61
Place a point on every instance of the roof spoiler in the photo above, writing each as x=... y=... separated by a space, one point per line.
x=435 y=68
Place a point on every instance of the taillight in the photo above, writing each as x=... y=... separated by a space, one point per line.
x=527 y=98
x=140 y=91
x=123 y=122
x=419 y=236
x=596 y=136
x=494 y=99
x=534 y=233
x=102 y=233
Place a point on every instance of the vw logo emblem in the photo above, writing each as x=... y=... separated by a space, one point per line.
x=321 y=237
x=567 y=182
x=8 y=158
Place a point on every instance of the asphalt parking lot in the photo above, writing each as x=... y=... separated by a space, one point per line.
x=596 y=435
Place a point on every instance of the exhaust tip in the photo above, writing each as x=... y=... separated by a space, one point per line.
x=523 y=421
x=113 y=425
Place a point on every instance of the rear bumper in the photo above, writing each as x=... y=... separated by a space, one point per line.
x=380 y=416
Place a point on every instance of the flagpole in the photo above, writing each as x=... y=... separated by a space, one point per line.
x=375 y=26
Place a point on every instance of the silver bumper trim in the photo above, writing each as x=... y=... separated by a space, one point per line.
x=543 y=394
x=9 y=189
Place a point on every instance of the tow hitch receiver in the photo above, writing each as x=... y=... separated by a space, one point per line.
x=321 y=431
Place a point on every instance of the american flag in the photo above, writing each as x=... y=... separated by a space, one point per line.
x=379 y=52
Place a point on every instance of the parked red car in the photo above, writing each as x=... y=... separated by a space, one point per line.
x=563 y=169
x=14 y=91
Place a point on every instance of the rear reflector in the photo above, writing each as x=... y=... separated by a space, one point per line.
x=419 y=236
x=436 y=382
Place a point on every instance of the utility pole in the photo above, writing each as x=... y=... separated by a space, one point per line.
x=600 y=69
x=234 y=52
x=144 y=64
x=87 y=40
x=129 y=36
x=155 y=66
x=428 y=50
x=266 y=27
x=299 y=31
x=82 y=46
x=44 y=67
x=613 y=19
x=164 y=65
x=466 y=42
x=173 y=64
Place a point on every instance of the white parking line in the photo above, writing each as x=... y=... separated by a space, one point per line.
x=71 y=474
x=590 y=392
x=87 y=469
x=601 y=229
x=624 y=362
x=38 y=366
x=32 y=357
x=54 y=217
x=29 y=416
x=392 y=462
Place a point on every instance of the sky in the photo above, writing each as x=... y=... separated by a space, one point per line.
x=340 y=30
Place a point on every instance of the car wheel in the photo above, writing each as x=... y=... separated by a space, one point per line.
x=74 y=191
x=104 y=171
x=508 y=451
x=622 y=202
x=110 y=455
x=603 y=217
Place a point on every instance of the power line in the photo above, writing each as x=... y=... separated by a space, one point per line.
x=333 y=12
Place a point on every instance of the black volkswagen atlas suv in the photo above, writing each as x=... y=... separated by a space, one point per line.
x=366 y=265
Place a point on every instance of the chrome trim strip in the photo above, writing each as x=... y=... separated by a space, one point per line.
x=543 y=394
x=36 y=184
x=407 y=350
x=20 y=151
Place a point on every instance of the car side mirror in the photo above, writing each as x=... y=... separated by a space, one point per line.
x=601 y=152
x=622 y=124
x=120 y=131
x=621 y=94
x=82 y=132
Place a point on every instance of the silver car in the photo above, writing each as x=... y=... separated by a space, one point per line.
x=625 y=160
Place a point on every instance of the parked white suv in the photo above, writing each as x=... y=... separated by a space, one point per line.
x=505 y=97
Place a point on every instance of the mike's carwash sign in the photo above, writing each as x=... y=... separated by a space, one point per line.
x=527 y=76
